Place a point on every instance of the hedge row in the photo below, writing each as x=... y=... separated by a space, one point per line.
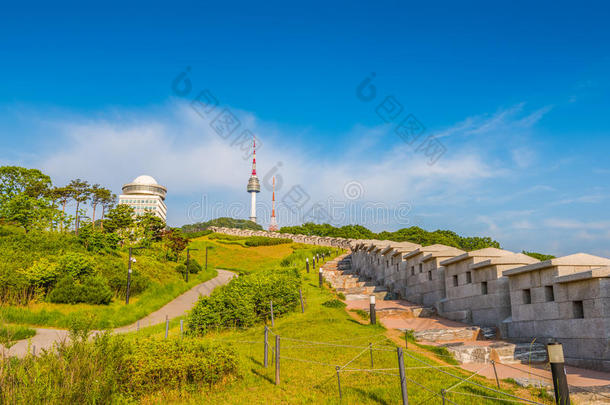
x=245 y=300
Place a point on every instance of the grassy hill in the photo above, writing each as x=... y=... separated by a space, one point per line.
x=225 y=365
x=221 y=222
x=31 y=263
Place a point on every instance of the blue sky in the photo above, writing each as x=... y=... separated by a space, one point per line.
x=515 y=93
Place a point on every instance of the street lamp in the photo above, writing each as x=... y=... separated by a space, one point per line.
x=187 y=262
x=131 y=259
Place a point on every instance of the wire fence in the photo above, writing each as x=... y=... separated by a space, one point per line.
x=448 y=395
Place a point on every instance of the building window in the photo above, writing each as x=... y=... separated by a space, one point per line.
x=412 y=270
x=579 y=310
x=396 y=266
x=468 y=277
x=421 y=267
x=455 y=281
x=527 y=296
x=484 y=288
x=429 y=275
x=549 y=295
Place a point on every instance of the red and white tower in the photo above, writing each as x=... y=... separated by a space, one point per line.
x=273 y=223
x=254 y=185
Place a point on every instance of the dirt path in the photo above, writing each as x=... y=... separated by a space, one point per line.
x=45 y=337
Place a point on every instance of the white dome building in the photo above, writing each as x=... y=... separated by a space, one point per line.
x=145 y=194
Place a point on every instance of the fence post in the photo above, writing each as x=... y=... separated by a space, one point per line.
x=313 y=259
x=406 y=339
x=272 y=320
x=403 y=379
x=339 y=381
x=166 y=326
x=33 y=350
x=206 y=258
x=443 y=395
x=138 y=326
x=307 y=264
x=301 y=297
x=181 y=327
x=277 y=360
x=372 y=310
x=558 y=371
x=266 y=357
x=320 y=281
x=371 y=350
x=493 y=363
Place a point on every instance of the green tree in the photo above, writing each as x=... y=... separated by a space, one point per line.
x=15 y=180
x=80 y=193
x=151 y=226
x=108 y=201
x=119 y=218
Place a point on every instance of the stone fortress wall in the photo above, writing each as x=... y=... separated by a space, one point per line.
x=566 y=299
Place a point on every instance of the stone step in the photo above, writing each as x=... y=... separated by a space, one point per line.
x=449 y=334
x=502 y=352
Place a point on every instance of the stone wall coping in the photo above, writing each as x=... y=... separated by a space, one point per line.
x=578 y=259
x=601 y=272
x=487 y=252
x=449 y=253
x=519 y=259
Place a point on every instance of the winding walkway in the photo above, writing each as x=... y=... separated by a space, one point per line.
x=45 y=337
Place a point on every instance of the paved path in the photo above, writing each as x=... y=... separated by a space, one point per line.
x=45 y=337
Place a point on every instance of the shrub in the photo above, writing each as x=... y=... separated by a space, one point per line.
x=174 y=364
x=334 y=303
x=265 y=241
x=42 y=273
x=181 y=268
x=93 y=290
x=75 y=264
x=245 y=300
x=110 y=369
x=194 y=267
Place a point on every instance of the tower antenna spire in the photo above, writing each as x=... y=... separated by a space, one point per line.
x=273 y=223
x=253 y=156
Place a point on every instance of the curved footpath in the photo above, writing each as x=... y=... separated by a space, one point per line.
x=45 y=337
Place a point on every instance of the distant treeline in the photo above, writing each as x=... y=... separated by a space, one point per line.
x=226 y=222
x=413 y=234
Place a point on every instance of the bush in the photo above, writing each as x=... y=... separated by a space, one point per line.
x=245 y=300
x=176 y=364
x=253 y=241
x=93 y=290
x=334 y=303
x=42 y=273
x=194 y=267
x=111 y=369
x=75 y=264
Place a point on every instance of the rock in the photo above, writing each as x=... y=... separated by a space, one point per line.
x=444 y=335
x=423 y=312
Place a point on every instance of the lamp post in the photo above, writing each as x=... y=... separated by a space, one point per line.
x=131 y=259
x=187 y=262
x=558 y=372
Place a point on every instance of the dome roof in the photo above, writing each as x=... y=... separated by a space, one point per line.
x=144 y=179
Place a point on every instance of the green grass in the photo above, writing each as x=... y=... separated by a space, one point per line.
x=243 y=260
x=361 y=313
x=12 y=333
x=308 y=372
x=105 y=316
